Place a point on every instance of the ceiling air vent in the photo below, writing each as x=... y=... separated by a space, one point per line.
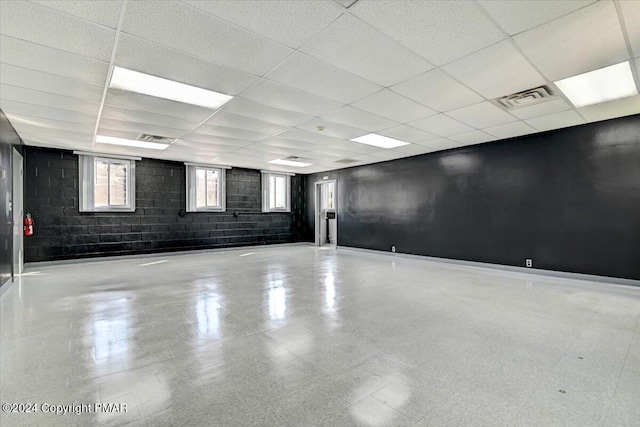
x=526 y=98
x=154 y=138
x=346 y=161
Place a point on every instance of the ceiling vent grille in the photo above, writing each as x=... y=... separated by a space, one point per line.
x=346 y=161
x=526 y=98
x=154 y=138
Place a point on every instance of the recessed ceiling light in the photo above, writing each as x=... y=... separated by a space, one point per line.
x=379 y=141
x=168 y=89
x=290 y=163
x=594 y=87
x=101 y=139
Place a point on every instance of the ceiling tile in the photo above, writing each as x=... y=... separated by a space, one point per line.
x=289 y=143
x=296 y=21
x=22 y=108
x=631 y=16
x=259 y=146
x=354 y=46
x=138 y=128
x=353 y=117
x=136 y=101
x=186 y=145
x=542 y=109
x=414 y=149
x=185 y=28
x=612 y=109
x=583 y=41
x=354 y=147
x=48 y=60
x=103 y=12
x=45 y=82
x=473 y=137
x=393 y=106
x=55 y=141
x=46 y=99
x=332 y=129
x=52 y=132
x=442 y=144
x=22 y=120
x=510 y=130
x=437 y=90
x=122 y=114
x=151 y=58
x=219 y=140
x=248 y=108
x=231 y=120
x=314 y=76
x=556 y=120
x=287 y=98
x=42 y=25
x=482 y=115
x=407 y=134
x=441 y=125
x=439 y=31
x=309 y=137
x=517 y=16
x=496 y=71
x=229 y=132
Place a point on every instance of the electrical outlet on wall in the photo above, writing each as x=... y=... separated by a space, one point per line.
x=528 y=262
x=393 y=248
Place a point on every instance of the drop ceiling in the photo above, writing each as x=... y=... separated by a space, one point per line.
x=423 y=72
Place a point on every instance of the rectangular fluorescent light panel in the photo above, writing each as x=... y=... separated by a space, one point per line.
x=168 y=89
x=101 y=139
x=290 y=163
x=379 y=141
x=594 y=87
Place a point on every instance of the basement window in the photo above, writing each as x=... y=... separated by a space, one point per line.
x=106 y=184
x=205 y=188
x=276 y=192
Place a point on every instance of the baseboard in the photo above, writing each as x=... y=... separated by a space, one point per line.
x=499 y=267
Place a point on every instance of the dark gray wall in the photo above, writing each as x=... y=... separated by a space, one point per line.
x=568 y=199
x=51 y=195
x=8 y=139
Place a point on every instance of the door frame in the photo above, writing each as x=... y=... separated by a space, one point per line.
x=316 y=213
x=17 y=206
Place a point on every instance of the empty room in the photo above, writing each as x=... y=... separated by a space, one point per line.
x=320 y=213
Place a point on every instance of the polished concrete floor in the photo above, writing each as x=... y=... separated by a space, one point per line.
x=301 y=336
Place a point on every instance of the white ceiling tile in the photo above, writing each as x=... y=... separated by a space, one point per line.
x=289 y=143
x=290 y=23
x=229 y=132
x=137 y=127
x=122 y=114
x=46 y=99
x=287 y=98
x=259 y=146
x=482 y=115
x=203 y=147
x=441 y=125
x=414 y=149
x=231 y=120
x=631 y=16
x=136 y=101
x=151 y=58
x=354 y=147
x=22 y=120
x=556 y=120
x=496 y=71
x=42 y=25
x=48 y=60
x=337 y=153
x=32 y=79
x=393 y=106
x=442 y=144
x=510 y=130
x=473 y=137
x=407 y=134
x=309 y=136
x=21 y=108
x=103 y=12
x=542 y=109
x=437 y=90
x=439 y=31
x=517 y=16
x=354 y=46
x=319 y=78
x=332 y=129
x=54 y=142
x=583 y=41
x=185 y=28
x=218 y=140
x=353 y=117
x=256 y=110
x=612 y=109
x=53 y=132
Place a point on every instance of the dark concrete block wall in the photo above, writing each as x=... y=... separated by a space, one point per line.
x=159 y=222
